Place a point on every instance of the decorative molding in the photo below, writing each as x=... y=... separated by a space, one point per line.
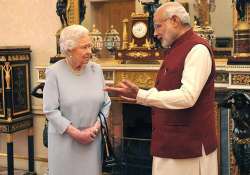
x=19 y=58
x=108 y=75
x=144 y=80
x=2 y=58
x=242 y=141
x=16 y=126
x=139 y=15
x=40 y=159
x=222 y=77
x=237 y=68
x=240 y=79
x=227 y=76
x=139 y=54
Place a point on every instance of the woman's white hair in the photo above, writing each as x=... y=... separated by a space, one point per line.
x=175 y=8
x=70 y=36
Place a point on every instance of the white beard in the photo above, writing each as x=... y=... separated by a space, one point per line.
x=165 y=44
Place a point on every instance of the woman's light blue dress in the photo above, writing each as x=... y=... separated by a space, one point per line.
x=75 y=99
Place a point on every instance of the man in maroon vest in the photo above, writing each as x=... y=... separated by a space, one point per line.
x=183 y=118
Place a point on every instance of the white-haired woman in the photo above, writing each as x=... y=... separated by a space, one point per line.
x=73 y=97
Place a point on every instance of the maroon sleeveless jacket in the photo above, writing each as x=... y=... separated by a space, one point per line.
x=180 y=133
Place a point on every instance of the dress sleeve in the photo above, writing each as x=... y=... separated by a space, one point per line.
x=51 y=102
x=107 y=102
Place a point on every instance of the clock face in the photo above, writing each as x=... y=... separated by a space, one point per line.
x=139 y=29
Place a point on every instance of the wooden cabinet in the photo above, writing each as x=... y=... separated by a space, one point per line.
x=15 y=101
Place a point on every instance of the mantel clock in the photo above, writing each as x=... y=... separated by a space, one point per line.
x=139 y=30
x=141 y=47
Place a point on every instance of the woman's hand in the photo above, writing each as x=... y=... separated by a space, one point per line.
x=87 y=135
x=84 y=136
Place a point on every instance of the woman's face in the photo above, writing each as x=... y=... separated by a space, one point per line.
x=82 y=52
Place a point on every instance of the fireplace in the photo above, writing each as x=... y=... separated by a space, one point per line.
x=132 y=145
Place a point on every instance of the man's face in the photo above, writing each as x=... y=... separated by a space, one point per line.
x=165 y=29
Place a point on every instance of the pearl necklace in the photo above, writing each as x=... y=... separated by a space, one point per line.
x=75 y=72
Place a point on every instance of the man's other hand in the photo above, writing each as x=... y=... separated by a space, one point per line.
x=125 y=89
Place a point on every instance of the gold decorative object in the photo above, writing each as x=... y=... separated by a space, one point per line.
x=241 y=52
x=7 y=70
x=242 y=141
x=141 y=46
x=97 y=41
x=132 y=45
x=2 y=58
x=41 y=74
x=205 y=31
x=9 y=138
x=125 y=34
x=202 y=6
x=75 y=11
x=144 y=80
x=148 y=44
x=139 y=29
x=9 y=119
x=139 y=54
x=241 y=79
x=72 y=12
x=157 y=54
x=241 y=26
x=139 y=15
x=18 y=58
x=239 y=56
x=234 y=14
x=202 y=23
x=112 y=40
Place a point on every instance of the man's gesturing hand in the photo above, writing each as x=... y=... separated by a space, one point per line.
x=125 y=89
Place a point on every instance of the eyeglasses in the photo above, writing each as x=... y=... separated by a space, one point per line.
x=159 y=25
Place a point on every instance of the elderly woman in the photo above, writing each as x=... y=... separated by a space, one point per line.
x=73 y=98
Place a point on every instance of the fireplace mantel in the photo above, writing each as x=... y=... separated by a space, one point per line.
x=227 y=76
